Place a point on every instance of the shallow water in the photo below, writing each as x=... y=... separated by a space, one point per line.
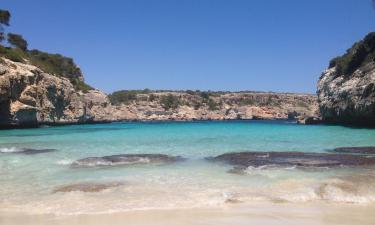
x=28 y=181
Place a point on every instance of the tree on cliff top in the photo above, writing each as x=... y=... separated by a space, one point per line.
x=17 y=41
x=359 y=54
x=4 y=21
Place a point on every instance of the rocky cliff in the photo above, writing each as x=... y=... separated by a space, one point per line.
x=348 y=99
x=346 y=90
x=30 y=97
x=219 y=106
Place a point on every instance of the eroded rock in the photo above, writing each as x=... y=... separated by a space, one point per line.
x=348 y=99
x=30 y=97
x=287 y=159
x=125 y=159
x=87 y=187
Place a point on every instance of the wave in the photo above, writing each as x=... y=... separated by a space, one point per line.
x=11 y=150
x=64 y=162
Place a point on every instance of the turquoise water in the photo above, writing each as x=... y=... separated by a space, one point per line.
x=28 y=181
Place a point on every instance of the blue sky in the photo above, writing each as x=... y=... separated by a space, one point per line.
x=266 y=45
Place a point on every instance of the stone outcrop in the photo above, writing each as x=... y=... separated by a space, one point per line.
x=348 y=99
x=29 y=97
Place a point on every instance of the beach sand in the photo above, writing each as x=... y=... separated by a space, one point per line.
x=264 y=213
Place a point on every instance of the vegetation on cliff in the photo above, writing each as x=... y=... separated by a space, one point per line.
x=351 y=100
x=208 y=100
x=16 y=49
x=359 y=54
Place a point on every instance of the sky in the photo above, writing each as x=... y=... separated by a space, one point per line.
x=260 y=45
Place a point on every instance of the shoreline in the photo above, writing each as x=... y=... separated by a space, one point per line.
x=40 y=125
x=313 y=213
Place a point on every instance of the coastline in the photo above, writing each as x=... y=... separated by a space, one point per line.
x=58 y=124
x=256 y=213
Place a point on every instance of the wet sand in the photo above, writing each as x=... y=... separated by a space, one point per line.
x=264 y=213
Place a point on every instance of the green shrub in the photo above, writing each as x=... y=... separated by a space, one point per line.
x=151 y=97
x=55 y=64
x=122 y=97
x=246 y=101
x=190 y=92
x=205 y=95
x=197 y=105
x=170 y=102
x=13 y=54
x=302 y=104
x=212 y=105
x=80 y=85
x=17 y=41
x=358 y=55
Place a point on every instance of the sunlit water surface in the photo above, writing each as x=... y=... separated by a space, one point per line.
x=27 y=181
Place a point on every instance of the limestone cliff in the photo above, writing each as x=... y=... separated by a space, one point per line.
x=346 y=90
x=29 y=97
x=348 y=99
x=228 y=106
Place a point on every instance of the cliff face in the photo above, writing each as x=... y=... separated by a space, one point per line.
x=29 y=96
x=348 y=99
x=346 y=90
x=228 y=106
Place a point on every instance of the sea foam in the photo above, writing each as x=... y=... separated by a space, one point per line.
x=10 y=150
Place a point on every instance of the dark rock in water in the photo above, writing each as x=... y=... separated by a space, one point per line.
x=301 y=159
x=27 y=151
x=368 y=150
x=126 y=159
x=309 y=120
x=87 y=187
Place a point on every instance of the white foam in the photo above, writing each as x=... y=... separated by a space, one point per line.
x=11 y=150
x=64 y=162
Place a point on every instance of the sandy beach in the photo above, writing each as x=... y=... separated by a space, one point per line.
x=256 y=213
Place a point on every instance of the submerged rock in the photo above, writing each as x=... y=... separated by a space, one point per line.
x=26 y=151
x=87 y=187
x=126 y=159
x=356 y=150
x=300 y=159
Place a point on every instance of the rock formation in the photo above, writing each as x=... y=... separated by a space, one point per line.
x=30 y=97
x=242 y=160
x=348 y=99
x=229 y=106
x=346 y=90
